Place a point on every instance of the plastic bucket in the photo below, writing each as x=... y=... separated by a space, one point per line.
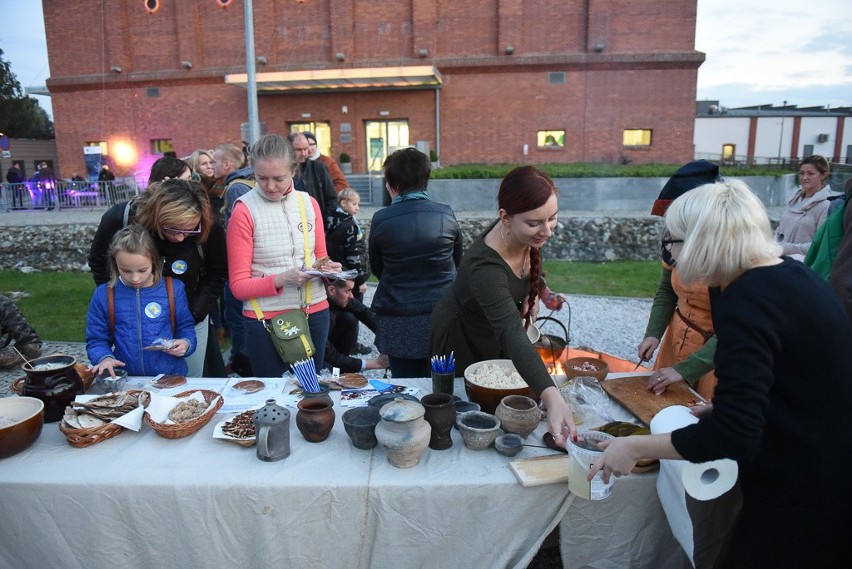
x=580 y=461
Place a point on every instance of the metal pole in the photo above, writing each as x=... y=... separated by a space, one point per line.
x=781 y=137
x=251 y=86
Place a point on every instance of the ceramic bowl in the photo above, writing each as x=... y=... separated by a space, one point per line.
x=600 y=372
x=464 y=407
x=383 y=399
x=518 y=414
x=478 y=429
x=27 y=416
x=489 y=397
x=509 y=444
x=360 y=424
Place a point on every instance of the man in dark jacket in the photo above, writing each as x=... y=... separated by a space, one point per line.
x=313 y=177
x=16 y=176
x=344 y=314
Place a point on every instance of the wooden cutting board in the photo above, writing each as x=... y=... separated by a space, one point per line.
x=630 y=391
x=541 y=470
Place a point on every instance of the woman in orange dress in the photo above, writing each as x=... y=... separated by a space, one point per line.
x=680 y=315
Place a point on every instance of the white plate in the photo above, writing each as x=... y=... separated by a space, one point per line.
x=218 y=434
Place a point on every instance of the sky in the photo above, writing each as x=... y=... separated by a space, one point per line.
x=757 y=51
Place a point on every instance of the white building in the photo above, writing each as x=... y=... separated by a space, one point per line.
x=766 y=134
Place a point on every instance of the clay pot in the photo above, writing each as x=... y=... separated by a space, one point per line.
x=315 y=418
x=272 y=432
x=478 y=429
x=441 y=415
x=360 y=424
x=402 y=432
x=56 y=387
x=464 y=407
x=518 y=414
x=509 y=444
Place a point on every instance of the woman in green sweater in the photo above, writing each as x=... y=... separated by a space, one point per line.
x=495 y=295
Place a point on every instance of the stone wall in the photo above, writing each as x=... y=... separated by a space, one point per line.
x=577 y=238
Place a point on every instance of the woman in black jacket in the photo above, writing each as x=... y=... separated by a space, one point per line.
x=415 y=247
x=178 y=216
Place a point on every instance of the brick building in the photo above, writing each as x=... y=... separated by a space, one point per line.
x=489 y=81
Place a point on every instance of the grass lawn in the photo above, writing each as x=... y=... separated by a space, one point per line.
x=58 y=302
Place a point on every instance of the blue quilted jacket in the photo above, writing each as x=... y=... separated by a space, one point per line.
x=141 y=316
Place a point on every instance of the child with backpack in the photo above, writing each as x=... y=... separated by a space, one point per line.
x=130 y=315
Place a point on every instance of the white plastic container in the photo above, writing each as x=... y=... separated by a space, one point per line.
x=580 y=461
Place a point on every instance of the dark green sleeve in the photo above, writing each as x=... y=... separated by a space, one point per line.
x=698 y=363
x=665 y=301
x=489 y=286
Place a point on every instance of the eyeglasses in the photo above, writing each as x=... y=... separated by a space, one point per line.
x=175 y=231
x=667 y=243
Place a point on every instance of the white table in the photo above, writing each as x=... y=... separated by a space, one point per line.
x=140 y=500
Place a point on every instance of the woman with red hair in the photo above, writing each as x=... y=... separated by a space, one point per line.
x=495 y=295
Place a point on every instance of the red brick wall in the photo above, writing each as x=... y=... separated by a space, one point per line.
x=491 y=102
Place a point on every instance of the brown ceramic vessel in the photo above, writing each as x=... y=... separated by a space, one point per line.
x=518 y=414
x=315 y=418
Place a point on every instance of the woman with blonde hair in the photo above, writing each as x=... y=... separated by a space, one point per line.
x=201 y=164
x=177 y=215
x=275 y=233
x=781 y=332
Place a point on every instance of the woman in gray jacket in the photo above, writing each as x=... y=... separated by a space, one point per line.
x=807 y=209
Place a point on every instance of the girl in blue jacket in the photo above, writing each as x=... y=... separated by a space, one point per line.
x=142 y=312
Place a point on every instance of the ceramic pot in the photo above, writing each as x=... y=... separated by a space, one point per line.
x=518 y=414
x=360 y=424
x=443 y=382
x=323 y=393
x=478 y=429
x=441 y=415
x=402 y=432
x=315 y=418
x=272 y=432
x=464 y=407
x=509 y=444
x=56 y=387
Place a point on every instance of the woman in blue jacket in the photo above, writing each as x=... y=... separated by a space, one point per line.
x=143 y=311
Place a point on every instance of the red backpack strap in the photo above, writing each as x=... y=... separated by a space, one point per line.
x=111 y=308
x=170 y=288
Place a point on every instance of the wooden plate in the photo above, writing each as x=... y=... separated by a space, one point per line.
x=168 y=381
x=352 y=380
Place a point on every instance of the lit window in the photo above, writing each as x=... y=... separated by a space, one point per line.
x=637 y=137
x=101 y=143
x=550 y=138
x=728 y=151
x=161 y=145
x=322 y=130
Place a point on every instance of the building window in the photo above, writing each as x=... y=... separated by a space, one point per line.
x=101 y=143
x=161 y=146
x=556 y=77
x=728 y=152
x=322 y=130
x=637 y=137
x=550 y=139
x=153 y=92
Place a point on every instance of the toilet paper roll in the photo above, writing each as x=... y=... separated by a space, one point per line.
x=702 y=481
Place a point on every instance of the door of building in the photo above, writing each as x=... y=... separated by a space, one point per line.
x=383 y=138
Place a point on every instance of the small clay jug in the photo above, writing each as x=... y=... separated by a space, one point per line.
x=272 y=432
x=56 y=386
x=315 y=418
x=441 y=415
x=518 y=414
x=360 y=424
x=402 y=432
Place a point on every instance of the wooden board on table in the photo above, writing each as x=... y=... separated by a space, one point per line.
x=541 y=470
x=630 y=391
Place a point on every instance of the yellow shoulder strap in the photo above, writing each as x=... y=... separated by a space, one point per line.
x=308 y=261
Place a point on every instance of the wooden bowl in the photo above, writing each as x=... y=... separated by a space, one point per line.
x=28 y=416
x=600 y=372
x=489 y=397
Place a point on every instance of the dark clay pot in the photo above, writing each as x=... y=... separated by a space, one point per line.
x=57 y=387
x=441 y=415
x=360 y=424
x=315 y=418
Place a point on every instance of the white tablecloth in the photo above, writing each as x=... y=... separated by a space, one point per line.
x=139 y=500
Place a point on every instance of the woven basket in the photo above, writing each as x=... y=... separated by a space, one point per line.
x=180 y=430
x=83 y=371
x=82 y=438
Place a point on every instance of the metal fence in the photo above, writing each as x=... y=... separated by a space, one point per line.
x=63 y=194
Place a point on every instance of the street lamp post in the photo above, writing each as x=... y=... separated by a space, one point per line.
x=251 y=87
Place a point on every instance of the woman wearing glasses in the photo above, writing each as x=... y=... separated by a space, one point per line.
x=177 y=215
x=680 y=311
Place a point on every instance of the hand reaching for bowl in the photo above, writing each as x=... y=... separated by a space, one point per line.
x=107 y=365
x=662 y=378
x=560 y=420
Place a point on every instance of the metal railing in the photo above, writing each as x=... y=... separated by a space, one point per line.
x=63 y=194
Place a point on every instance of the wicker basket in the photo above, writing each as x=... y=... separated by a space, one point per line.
x=83 y=371
x=82 y=438
x=180 y=430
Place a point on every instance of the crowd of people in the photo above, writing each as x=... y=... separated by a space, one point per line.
x=220 y=241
